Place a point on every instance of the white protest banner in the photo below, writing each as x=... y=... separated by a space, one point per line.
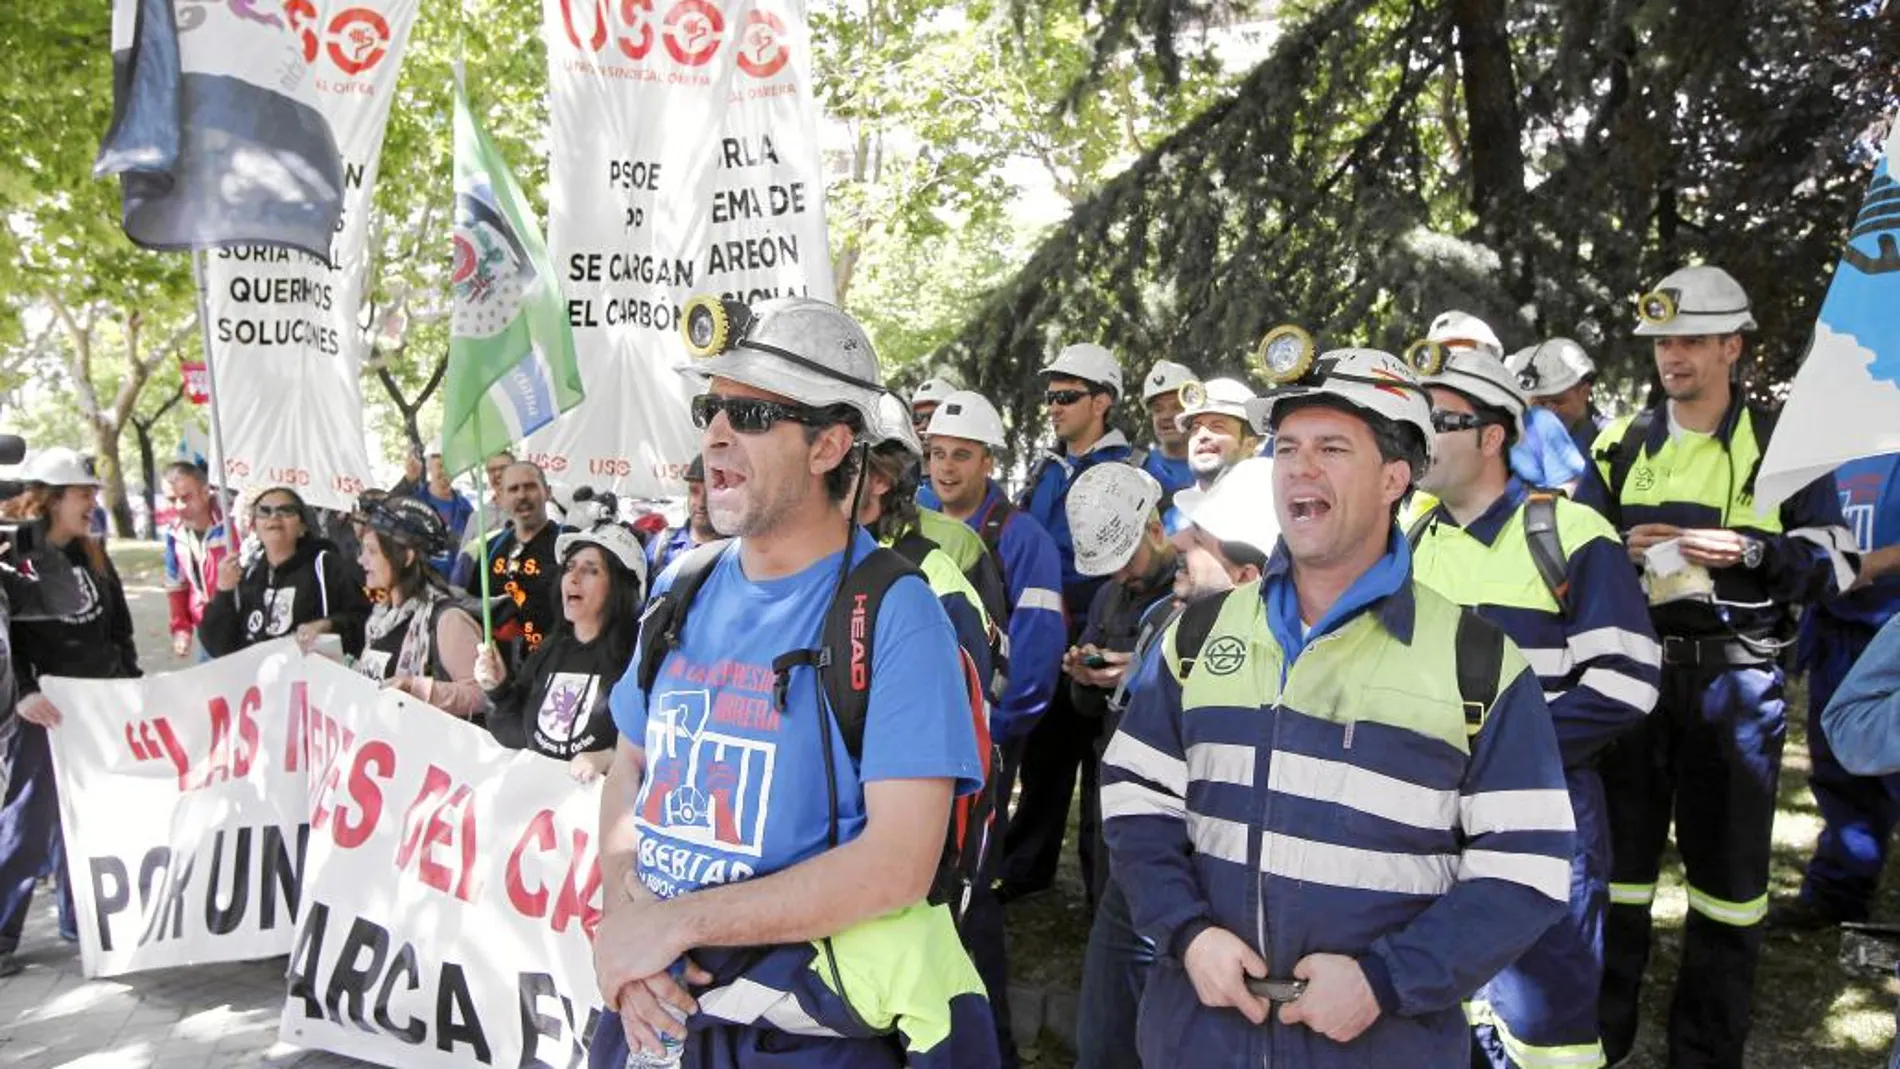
x=684 y=160
x=288 y=348
x=449 y=890
x=181 y=799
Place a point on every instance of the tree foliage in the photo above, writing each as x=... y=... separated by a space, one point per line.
x=1533 y=162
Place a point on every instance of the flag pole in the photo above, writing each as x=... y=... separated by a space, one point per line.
x=481 y=554
x=211 y=401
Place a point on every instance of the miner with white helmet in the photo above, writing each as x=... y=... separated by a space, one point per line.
x=1081 y=387
x=1161 y=399
x=1266 y=739
x=1544 y=454
x=1115 y=511
x=1557 y=374
x=965 y=435
x=1724 y=579
x=826 y=844
x=1550 y=573
x=928 y=395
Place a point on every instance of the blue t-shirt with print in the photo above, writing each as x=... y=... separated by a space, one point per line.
x=735 y=787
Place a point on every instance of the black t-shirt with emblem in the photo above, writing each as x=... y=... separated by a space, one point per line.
x=524 y=581
x=556 y=705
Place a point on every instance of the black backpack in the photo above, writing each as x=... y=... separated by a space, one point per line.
x=1540 y=534
x=843 y=660
x=1479 y=645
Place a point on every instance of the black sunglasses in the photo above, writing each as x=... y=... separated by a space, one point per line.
x=750 y=415
x=265 y=512
x=1065 y=397
x=1446 y=421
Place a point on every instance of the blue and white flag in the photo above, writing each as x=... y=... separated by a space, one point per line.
x=1846 y=399
x=216 y=134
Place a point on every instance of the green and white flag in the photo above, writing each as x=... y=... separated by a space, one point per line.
x=511 y=352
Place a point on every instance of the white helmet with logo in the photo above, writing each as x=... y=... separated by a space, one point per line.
x=934 y=390
x=57 y=466
x=1163 y=378
x=1485 y=380
x=595 y=517
x=612 y=539
x=1088 y=362
x=1108 y=508
x=1550 y=367
x=1694 y=300
x=1369 y=380
x=1461 y=330
x=967 y=414
x=1221 y=397
x=797 y=347
x=893 y=425
x=1238 y=507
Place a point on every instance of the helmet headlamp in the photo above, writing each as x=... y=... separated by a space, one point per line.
x=1285 y=355
x=1427 y=357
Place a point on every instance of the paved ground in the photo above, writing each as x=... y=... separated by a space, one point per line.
x=201 y=1017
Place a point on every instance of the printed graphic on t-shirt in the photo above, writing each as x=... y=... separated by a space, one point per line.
x=280 y=603
x=704 y=787
x=564 y=708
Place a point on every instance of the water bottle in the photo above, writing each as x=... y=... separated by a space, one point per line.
x=672 y=1051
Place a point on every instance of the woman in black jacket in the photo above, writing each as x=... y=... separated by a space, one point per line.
x=556 y=705
x=299 y=584
x=94 y=642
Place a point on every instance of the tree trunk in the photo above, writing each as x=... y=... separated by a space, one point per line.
x=105 y=453
x=1494 y=145
x=148 y=467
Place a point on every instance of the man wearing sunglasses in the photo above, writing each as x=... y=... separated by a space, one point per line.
x=1081 y=386
x=1581 y=621
x=1544 y=454
x=732 y=815
x=1335 y=801
x=1723 y=579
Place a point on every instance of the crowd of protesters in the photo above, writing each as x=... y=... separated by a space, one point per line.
x=1381 y=689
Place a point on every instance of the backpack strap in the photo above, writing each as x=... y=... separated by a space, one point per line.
x=1546 y=545
x=1137 y=457
x=1763 y=422
x=665 y=616
x=1480 y=653
x=1622 y=457
x=913 y=546
x=1034 y=480
x=1196 y=623
x=995 y=519
x=847 y=637
x=1416 y=533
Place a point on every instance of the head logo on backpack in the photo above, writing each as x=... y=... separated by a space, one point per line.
x=844 y=659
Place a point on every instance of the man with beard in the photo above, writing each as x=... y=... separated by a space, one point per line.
x=524 y=576
x=734 y=815
x=696 y=531
x=1551 y=574
x=1214 y=419
x=1723 y=579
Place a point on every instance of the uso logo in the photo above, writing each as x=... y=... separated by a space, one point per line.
x=689 y=32
x=354 y=40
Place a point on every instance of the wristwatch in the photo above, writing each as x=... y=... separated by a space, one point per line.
x=1752 y=550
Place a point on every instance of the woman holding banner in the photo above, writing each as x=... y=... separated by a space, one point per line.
x=300 y=583
x=422 y=641
x=92 y=643
x=557 y=704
